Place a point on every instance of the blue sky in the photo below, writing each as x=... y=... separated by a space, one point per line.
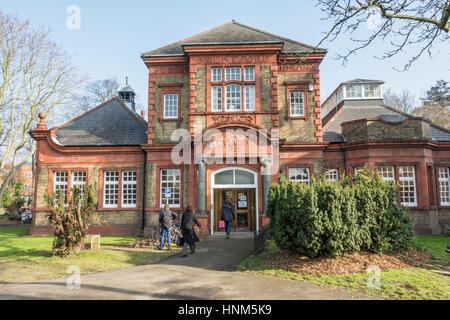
x=113 y=34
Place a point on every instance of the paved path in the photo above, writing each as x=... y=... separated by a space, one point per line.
x=208 y=274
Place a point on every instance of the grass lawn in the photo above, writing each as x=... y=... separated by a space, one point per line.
x=27 y=259
x=408 y=283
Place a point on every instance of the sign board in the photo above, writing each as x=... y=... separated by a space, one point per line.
x=168 y=193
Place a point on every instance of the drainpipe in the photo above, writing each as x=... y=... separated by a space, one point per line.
x=144 y=193
x=201 y=188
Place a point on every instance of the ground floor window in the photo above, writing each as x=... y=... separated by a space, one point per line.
x=332 y=175
x=120 y=185
x=407 y=181
x=64 y=178
x=444 y=182
x=170 y=188
x=299 y=175
x=387 y=173
x=129 y=185
x=111 y=189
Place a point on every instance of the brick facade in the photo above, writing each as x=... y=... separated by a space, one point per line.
x=370 y=141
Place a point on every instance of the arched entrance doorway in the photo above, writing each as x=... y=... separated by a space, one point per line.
x=240 y=186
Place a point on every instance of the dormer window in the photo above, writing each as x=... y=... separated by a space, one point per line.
x=372 y=91
x=354 y=91
x=363 y=91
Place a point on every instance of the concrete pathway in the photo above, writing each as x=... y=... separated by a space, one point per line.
x=208 y=274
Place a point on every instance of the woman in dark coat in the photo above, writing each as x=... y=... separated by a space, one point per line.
x=188 y=221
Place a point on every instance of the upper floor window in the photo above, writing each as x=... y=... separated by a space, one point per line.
x=250 y=103
x=28 y=174
x=236 y=96
x=233 y=73
x=217 y=98
x=297 y=104
x=171 y=106
x=233 y=97
x=249 y=74
x=444 y=182
x=216 y=74
x=299 y=175
x=28 y=186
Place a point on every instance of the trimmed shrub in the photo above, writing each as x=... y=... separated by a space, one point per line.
x=333 y=219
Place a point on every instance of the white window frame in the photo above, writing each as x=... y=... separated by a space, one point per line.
x=444 y=185
x=250 y=98
x=57 y=183
x=233 y=74
x=216 y=98
x=356 y=169
x=29 y=174
x=407 y=179
x=166 y=105
x=249 y=74
x=216 y=74
x=332 y=174
x=387 y=173
x=294 y=105
x=162 y=195
x=110 y=183
x=79 y=180
x=28 y=186
x=129 y=183
x=299 y=170
x=231 y=96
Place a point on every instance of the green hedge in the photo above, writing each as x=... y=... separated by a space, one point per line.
x=333 y=219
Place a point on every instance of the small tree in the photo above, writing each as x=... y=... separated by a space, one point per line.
x=19 y=201
x=70 y=220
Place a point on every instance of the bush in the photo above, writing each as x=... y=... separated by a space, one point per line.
x=334 y=219
x=70 y=220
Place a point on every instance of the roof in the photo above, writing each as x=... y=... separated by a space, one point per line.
x=111 y=123
x=332 y=123
x=233 y=33
x=125 y=88
x=361 y=81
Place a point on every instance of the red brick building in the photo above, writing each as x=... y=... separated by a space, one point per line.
x=265 y=90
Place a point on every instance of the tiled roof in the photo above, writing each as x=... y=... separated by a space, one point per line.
x=111 y=123
x=233 y=33
x=333 y=130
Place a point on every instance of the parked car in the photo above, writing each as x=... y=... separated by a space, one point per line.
x=27 y=215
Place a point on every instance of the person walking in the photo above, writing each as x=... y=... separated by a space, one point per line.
x=227 y=215
x=166 y=218
x=188 y=220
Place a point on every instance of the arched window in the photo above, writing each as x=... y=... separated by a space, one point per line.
x=234 y=177
x=233 y=97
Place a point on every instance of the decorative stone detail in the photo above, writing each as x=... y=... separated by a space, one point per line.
x=227 y=118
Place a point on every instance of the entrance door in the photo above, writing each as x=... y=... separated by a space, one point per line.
x=243 y=201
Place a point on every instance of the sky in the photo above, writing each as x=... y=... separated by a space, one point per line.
x=113 y=35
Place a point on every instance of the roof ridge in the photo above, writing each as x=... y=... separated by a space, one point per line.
x=188 y=38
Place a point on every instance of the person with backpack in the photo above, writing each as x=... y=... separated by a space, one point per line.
x=227 y=215
x=165 y=219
